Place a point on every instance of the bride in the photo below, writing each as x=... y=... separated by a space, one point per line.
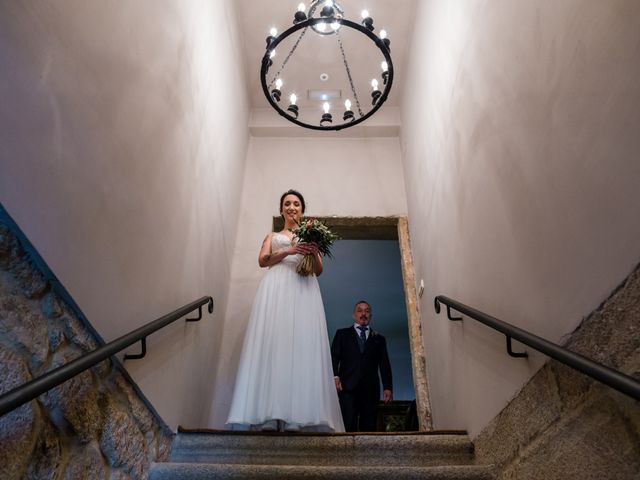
x=285 y=377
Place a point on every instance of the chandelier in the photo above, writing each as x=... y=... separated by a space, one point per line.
x=323 y=21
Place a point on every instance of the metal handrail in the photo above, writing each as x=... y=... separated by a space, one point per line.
x=613 y=378
x=36 y=387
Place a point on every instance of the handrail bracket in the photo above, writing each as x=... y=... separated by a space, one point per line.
x=512 y=353
x=195 y=319
x=137 y=356
x=454 y=319
x=436 y=303
x=209 y=308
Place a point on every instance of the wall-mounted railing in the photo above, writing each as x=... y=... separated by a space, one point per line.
x=613 y=378
x=36 y=387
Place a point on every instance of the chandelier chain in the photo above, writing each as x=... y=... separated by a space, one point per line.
x=346 y=66
x=293 y=49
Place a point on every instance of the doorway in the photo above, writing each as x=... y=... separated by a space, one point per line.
x=394 y=231
x=370 y=270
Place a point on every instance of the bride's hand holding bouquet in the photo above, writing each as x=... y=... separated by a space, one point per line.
x=314 y=239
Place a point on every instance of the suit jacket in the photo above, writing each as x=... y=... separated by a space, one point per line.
x=360 y=370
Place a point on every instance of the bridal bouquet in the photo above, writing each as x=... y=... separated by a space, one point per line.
x=313 y=230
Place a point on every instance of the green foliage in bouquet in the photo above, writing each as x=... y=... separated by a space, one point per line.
x=313 y=230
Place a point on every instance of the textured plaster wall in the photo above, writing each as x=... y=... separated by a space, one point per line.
x=123 y=135
x=520 y=150
x=337 y=176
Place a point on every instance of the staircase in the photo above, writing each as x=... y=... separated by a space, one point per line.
x=262 y=455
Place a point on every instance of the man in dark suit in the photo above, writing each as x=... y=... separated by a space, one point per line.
x=358 y=354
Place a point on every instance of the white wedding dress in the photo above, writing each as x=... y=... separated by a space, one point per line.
x=285 y=370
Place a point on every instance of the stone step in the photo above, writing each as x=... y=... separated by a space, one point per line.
x=202 y=471
x=415 y=450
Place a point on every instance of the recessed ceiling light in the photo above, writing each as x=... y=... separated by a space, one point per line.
x=324 y=95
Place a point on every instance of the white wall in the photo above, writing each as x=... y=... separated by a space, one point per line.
x=337 y=176
x=521 y=147
x=123 y=135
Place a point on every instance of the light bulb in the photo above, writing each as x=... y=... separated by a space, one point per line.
x=322 y=26
x=293 y=99
x=279 y=83
x=301 y=7
x=335 y=25
x=273 y=32
x=374 y=84
x=365 y=13
x=347 y=104
x=384 y=66
x=383 y=34
x=325 y=107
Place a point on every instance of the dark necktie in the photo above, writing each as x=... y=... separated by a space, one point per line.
x=362 y=339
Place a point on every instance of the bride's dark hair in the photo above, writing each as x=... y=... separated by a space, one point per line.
x=292 y=192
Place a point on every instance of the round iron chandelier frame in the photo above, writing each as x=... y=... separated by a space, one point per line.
x=378 y=101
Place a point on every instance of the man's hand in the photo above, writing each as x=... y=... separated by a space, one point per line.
x=338 y=384
x=387 y=396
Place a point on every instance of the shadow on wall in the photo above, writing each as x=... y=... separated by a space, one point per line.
x=370 y=270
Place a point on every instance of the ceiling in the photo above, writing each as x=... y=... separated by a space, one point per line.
x=317 y=54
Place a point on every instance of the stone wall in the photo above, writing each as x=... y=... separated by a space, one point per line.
x=92 y=426
x=564 y=425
